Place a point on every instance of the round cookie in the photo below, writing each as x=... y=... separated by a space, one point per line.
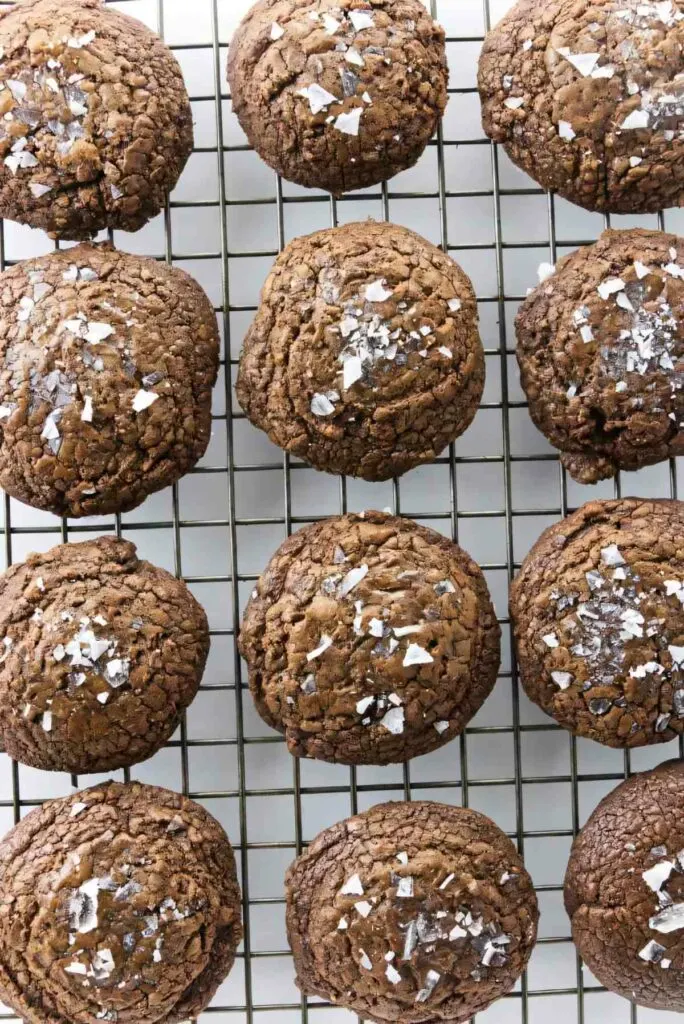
x=364 y=357
x=339 y=94
x=601 y=353
x=416 y=913
x=96 y=121
x=586 y=96
x=100 y=655
x=624 y=889
x=119 y=903
x=370 y=640
x=107 y=362
x=598 y=612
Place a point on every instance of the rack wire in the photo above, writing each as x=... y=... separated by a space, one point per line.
x=240 y=778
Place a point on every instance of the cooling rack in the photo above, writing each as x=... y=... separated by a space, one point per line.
x=494 y=492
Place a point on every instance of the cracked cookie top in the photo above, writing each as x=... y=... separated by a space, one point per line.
x=598 y=611
x=339 y=94
x=107 y=363
x=587 y=97
x=121 y=904
x=99 y=655
x=419 y=912
x=624 y=889
x=370 y=640
x=95 y=120
x=365 y=356
x=601 y=353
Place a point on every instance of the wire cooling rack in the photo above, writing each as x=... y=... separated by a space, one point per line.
x=494 y=492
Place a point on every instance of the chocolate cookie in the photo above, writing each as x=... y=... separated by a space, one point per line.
x=100 y=654
x=624 y=890
x=364 y=357
x=416 y=913
x=370 y=640
x=339 y=94
x=120 y=903
x=586 y=97
x=599 y=622
x=601 y=353
x=107 y=362
x=96 y=124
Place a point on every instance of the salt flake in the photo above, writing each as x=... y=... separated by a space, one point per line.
x=562 y=679
x=393 y=721
x=417 y=655
x=377 y=292
x=143 y=400
x=318 y=97
x=325 y=643
x=611 y=555
x=656 y=877
x=352 y=580
x=321 y=405
x=636 y=120
x=349 y=122
x=583 y=62
x=352 y=887
x=361 y=20
x=610 y=287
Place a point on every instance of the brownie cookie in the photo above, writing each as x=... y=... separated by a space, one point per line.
x=107 y=362
x=417 y=913
x=100 y=654
x=370 y=640
x=96 y=123
x=601 y=353
x=586 y=97
x=339 y=94
x=599 y=622
x=119 y=903
x=364 y=357
x=624 y=889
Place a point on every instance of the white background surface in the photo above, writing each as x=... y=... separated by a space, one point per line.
x=517 y=767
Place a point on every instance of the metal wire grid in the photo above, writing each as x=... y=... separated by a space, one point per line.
x=250 y=1009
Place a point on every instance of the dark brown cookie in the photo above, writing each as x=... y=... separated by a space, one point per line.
x=99 y=655
x=417 y=913
x=364 y=357
x=599 y=622
x=601 y=353
x=624 y=889
x=97 y=124
x=339 y=94
x=370 y=640
x=586 y=97
x=119 y=903
x=107 y=362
